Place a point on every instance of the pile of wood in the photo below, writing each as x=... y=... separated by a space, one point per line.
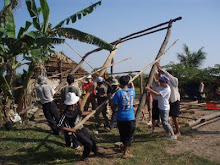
x=197 y=115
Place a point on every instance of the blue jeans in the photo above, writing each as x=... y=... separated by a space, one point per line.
x=164 y=114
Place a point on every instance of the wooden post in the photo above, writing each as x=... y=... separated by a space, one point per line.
x=112 y=62
x=153 y=69
x=141 y=83
x=61 y=76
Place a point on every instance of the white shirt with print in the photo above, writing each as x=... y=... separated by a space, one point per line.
x=163 y=100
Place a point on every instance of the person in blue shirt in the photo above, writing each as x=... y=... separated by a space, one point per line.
x=125 y=117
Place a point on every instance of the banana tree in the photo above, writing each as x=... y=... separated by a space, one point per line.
x=41 y=42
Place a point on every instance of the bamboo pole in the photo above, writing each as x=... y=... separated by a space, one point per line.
x=206 y=122
x=79 y=55
x=141 y=83
x=203 y=119
x=81 y=78
x=150 y=80
x=122 y=40
x=108 y=60
x=112 y=62
x=157 y=60
x=91 y=114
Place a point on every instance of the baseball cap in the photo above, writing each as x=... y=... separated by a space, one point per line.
x=164 y=79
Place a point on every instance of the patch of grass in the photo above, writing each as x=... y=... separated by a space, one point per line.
x=33 y=146
x=30 y=145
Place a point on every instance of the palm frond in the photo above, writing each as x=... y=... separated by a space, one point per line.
x=78 y=15
x=84 y=37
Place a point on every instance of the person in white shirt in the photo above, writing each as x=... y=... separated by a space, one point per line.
x=174 y=97
x=163 y=104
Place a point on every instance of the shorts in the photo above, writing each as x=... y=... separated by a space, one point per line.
x=155 y=110
x=149 y=104
x=175 y=109
x=126 y=131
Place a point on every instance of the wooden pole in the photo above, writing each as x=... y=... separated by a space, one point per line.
x=141 y=83
x=203 y=119
x=112 y=62
x=150 y=80
x=91 y=114
x=98 y=70
x=206 y=122
x=108 y=60
x=99 y=49
x=79 y=55
x=157 y=60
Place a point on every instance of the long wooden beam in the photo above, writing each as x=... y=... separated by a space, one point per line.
x=153 y=69
x=128 y=37
x=101 y=74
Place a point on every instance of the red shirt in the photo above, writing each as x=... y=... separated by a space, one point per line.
x=86 y=87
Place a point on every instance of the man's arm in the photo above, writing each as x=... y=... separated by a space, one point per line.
x=153 y=92
x=173 y=79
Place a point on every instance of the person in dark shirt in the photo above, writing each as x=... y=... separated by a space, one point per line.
x=102 y=93
x=70 y=118
x=70 y=88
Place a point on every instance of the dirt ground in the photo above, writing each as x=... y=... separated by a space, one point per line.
x=204 y=142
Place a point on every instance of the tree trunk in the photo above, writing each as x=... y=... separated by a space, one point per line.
x=24 y=88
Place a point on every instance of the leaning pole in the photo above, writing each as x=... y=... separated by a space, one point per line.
x=153 y=69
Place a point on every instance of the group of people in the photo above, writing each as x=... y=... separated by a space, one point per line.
x=165 y=101
x=121 y=94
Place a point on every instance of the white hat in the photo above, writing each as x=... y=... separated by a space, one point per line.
x=71 y=98
x=100 y=79
x=89 y=76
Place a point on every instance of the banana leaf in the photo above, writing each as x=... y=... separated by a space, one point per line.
x=9 y=21
x=34 y=13
x=78 y=15
x=84 y=37
x=5 y=87
x=46 y=14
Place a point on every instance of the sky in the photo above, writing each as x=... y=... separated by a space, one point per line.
x=198 y=28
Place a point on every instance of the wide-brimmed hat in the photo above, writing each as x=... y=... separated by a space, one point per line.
x=164 y=79
x=71 y=98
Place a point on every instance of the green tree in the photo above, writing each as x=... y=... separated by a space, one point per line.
x=191 y=59
x=37 y=45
